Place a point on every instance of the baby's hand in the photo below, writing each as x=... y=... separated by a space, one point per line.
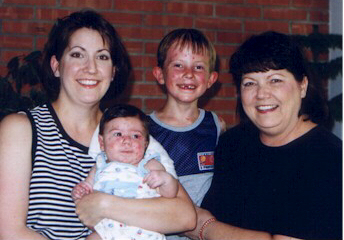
x=81 y=189
x=156 y=178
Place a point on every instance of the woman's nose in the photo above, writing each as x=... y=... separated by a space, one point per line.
x=263 y=91
x=91 y=66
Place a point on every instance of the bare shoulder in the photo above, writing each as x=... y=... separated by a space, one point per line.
x=154 y=164
x=15 y=129
x=15 y=122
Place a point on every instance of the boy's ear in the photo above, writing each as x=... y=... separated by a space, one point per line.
x=159 y=75
x=212 y=78
x=101 y=142
x=54 y=64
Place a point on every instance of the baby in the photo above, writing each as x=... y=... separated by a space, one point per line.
x=124 y=168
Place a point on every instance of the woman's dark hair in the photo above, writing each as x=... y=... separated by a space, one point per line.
x=58 y=40
x=275 y=51
x=123 y=110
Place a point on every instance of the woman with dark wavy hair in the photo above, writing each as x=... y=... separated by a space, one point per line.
x=278 y=174
x=44 y=152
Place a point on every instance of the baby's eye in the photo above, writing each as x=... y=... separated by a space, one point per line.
x=117 y=134
x=136 y=136
x=177 y=65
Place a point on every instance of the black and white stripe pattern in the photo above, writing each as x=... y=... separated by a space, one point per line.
x=59 y=163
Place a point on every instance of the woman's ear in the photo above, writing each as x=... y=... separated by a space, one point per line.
x=54 y=64
x=304 y=86
x=159 y=75
x=113 y=73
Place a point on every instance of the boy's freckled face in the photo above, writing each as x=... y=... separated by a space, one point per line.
x=186 y=74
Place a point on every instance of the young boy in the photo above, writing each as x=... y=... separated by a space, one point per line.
x=186 y=68
x=126 y=169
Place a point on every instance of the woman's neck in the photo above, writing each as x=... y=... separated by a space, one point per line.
x=279 y=139
x=78 y=122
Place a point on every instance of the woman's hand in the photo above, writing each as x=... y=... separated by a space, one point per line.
x=202 y=216
x=90 y=208
x=164 y=215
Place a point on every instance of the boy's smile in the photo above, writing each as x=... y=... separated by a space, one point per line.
x=185 y=74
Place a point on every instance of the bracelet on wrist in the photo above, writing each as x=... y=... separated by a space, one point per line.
x=205 y=224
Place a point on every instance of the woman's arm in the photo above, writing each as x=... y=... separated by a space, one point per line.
x=164 y=215
x=15 y=173
x=219 y=230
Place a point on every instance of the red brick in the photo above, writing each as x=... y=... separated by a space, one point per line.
x=143 y=61
x=151 y=47
x=149 y=6
x=238 y=11
x=288 y=14
x=230 y=37
x=219 y=104
x=146 y=90
x=138 y=75
x=123 y=18
x=226 y=91
x=223 y=1
x=26 y=27
x=51 y=14
x=225 y=77
x=149 y=76
x=189 y=8
x=79 y=4
x=140 y=33
x=270 y=2
x=134 y=46
x=7 y=55
x=16 y=42
x=32 y=2
x=319 y=16
x=168 y=20
x=260 y=26
x=40 y=42
x=154 y=104
x=16 y=13
x=305 y=29
x=224 y=50
x=216 y=23
x=323 y=4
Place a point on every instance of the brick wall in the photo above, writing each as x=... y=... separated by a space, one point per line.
x=25 y=24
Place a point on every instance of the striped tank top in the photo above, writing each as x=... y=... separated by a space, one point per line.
x=59 y=163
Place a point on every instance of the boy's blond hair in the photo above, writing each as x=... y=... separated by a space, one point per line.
x=187 y=37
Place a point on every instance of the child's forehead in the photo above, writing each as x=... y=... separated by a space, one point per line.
x=194 y=47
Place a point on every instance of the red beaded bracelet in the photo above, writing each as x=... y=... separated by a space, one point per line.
x=205 y=224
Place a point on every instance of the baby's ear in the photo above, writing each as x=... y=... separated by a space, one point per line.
x=159 y=75
x=101 y=142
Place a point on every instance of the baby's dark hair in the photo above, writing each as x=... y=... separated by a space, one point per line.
x=124 y=110
x=187 y=37
x=276 y=51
